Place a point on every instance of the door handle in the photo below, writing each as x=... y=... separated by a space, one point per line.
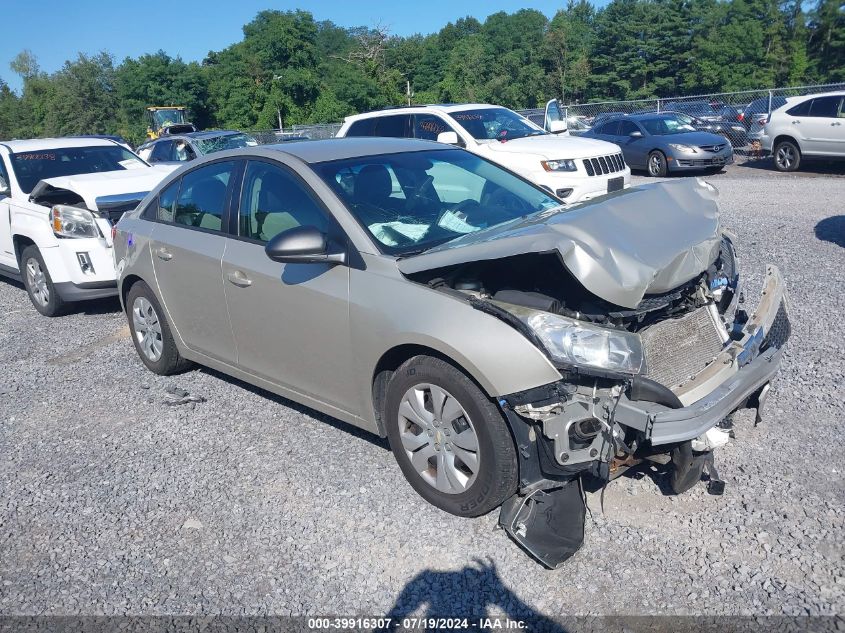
x=836 y=123
x=796 y=121
x=163 y=253
x=239 y=279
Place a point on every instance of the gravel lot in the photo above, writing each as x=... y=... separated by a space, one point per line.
x=112 y=502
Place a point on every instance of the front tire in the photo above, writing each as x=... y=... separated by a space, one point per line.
x=451 y=442
x=657 y=166
x=39 y=284
x=787 y=156
x=151 y=332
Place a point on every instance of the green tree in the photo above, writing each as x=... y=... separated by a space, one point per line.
x=568 y=43
x=827 y=41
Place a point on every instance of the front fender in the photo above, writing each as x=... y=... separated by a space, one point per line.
x=391 y=311
x=33 y=225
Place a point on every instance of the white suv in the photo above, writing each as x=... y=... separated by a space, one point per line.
x=573 y=169
x=812 y=126
x=58 y=201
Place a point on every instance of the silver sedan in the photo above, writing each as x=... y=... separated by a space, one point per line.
x=503 y=343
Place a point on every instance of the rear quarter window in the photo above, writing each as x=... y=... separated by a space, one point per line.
x=364 y=127
x=802 y=109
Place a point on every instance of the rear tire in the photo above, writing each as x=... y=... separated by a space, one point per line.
x=787 y=156
x=451 y=442
x=657 y=166
x=151 y=332
x=39 y=284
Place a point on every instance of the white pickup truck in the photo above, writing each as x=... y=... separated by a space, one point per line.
x=571 y=168
x=58 y=201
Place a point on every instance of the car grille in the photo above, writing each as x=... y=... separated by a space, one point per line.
x=703 y=162
x=712 y=148
x=781 y=329
x=677 y=349
x=604 y=164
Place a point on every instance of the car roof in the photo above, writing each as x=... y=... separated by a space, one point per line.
x=39 y=144
x=195 y=135
x=323 y=150
x=210 y=133
x=833 y=93
x=416 y=109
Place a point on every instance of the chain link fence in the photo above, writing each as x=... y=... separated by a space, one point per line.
x=296 y=133
x=737 y=116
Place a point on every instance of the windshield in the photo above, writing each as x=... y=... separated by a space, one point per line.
x=225 y=141
x=30 y=167
x=666 y=125
x=495 y=124
x=413 y=201
x=171 y=116
x=576 y=123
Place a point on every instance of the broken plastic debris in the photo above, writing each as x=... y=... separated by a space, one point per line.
x=192 y=524
x=179 y=396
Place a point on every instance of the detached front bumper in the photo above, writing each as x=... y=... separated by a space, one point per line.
x=736 y=375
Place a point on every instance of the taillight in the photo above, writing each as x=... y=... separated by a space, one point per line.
x=113 y=232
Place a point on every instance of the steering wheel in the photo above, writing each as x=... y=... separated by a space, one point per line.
x=503 y=199
x=464 y=206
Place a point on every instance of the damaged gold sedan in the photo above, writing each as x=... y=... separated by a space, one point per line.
x=503 y=343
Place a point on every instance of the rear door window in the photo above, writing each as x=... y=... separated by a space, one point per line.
x=428 y=126
x=825 y=107
x=364 y=127
x=167 y=202
x=396 y=126
x=611 y=128
x=627 y=128
x=202 y=197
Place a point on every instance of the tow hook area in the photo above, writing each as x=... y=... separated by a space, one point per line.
x=548 y=524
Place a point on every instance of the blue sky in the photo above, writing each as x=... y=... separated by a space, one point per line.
x=56 y=30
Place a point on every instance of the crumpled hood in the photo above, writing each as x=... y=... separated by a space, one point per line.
x=643 y=240
x=89 y=187
x=551 y=146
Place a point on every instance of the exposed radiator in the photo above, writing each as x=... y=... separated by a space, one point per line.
x=677 y=349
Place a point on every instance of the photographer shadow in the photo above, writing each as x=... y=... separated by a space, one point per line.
x=466 y=593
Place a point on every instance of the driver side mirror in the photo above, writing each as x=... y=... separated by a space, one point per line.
x=557 y=127
x=449 y=138
x=5 y=191
x=636 y=134
x=304 y=245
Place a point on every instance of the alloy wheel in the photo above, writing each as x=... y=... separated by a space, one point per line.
x=147 y=328
x=439 y=438
x=37 y=281
x=655 y=165
x=785 y=156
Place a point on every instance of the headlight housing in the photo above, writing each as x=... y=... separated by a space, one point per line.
x=73 y=222
x=581 y=344
x=683 y=148
x=563 y=164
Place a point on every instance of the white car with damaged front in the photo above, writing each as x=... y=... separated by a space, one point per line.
x=59 y=199
x=573 y=169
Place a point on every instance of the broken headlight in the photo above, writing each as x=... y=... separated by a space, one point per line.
x=581 y=344
x=73 y=222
